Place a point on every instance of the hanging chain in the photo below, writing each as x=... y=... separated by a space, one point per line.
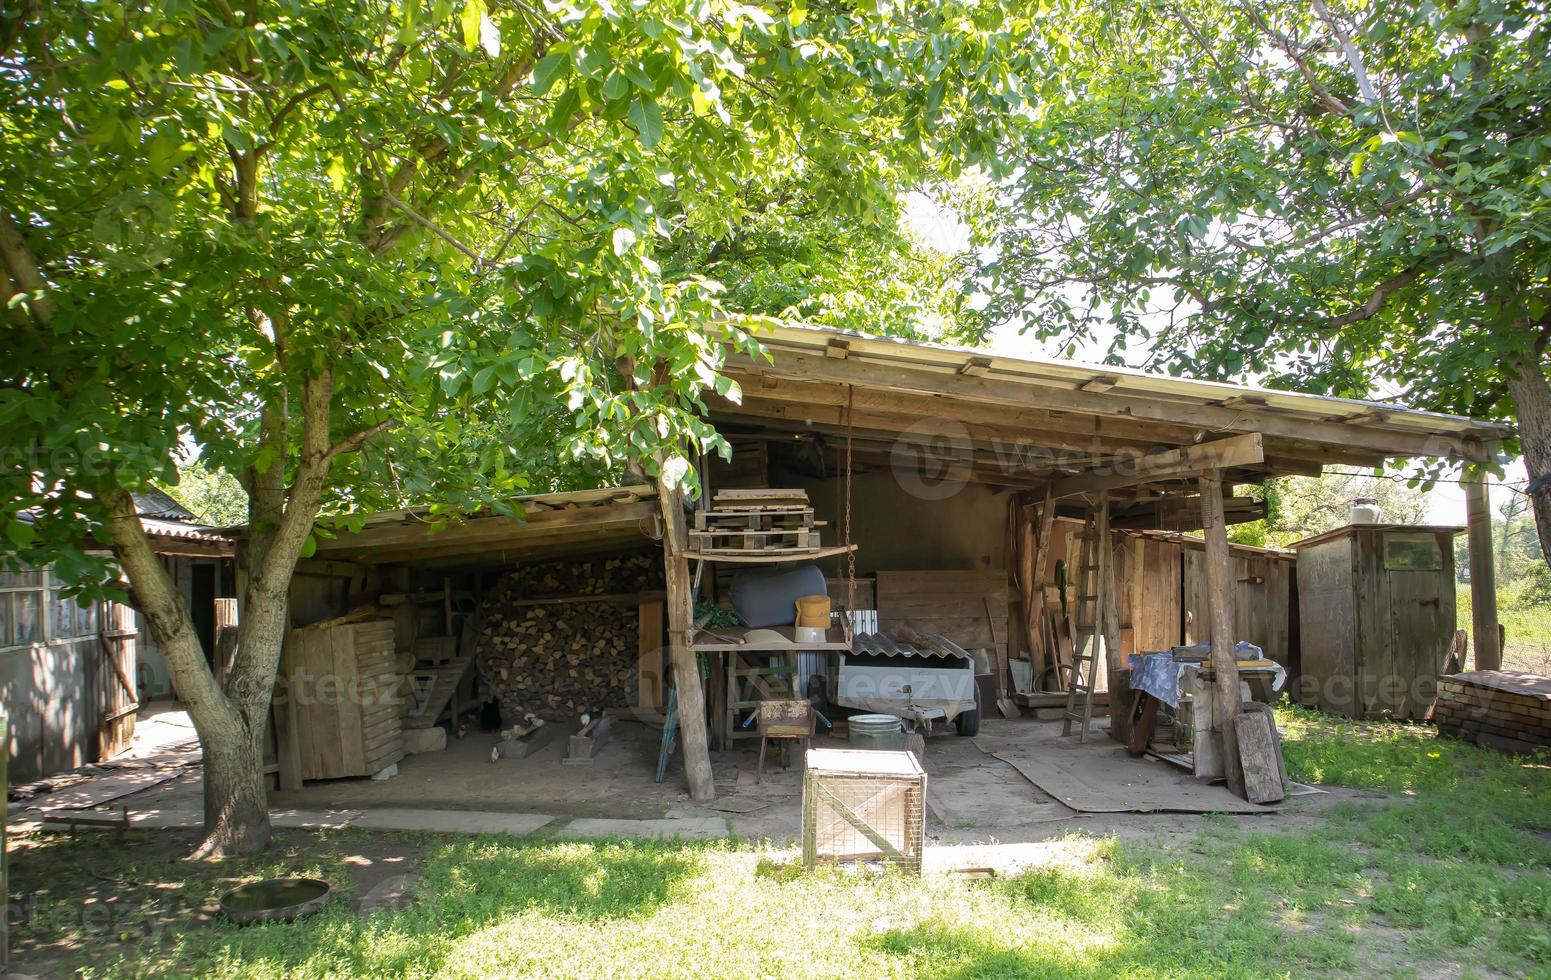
x=850 y=553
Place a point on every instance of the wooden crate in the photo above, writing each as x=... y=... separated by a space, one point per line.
x=862 y=805
x=345 y=691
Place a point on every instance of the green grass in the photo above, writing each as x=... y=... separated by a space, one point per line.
x=1442 y=863
x=1526 y=624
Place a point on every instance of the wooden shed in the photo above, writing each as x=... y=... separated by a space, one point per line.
x=1377 y=618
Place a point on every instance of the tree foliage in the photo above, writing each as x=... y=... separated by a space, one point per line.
x=1350 y=198
x=363 y=253
x=213 y=496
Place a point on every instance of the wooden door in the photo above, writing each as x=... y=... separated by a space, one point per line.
x=117 y=698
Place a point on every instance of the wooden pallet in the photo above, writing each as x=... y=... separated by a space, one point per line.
x=778 y=538
x=756 y=519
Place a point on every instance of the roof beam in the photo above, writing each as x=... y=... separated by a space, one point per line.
x=888 y=374
x=1220 y=454
x=483 y=530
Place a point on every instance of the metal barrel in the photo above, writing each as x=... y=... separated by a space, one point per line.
x=876 y=732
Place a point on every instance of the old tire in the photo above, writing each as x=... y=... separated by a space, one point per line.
x=968 y=722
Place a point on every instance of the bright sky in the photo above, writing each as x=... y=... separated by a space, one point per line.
x=940 y=228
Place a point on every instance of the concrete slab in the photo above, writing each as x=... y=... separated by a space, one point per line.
x=688 y=827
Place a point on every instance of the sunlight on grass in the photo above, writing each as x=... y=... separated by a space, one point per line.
x=1443 y=866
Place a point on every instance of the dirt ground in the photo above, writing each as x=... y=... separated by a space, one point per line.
x=972 y=796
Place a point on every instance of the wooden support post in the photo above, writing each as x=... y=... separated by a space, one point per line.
x=1483 y=574
x=1219 y=604
x=1108 y=623
x=686 y=673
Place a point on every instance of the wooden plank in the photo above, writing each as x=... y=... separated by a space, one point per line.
x=649 y=659
x=1136 y=406
x=772 y=557
x=1206 y=747
x=1241 y=450
x=1258 y=757
x=895 y=583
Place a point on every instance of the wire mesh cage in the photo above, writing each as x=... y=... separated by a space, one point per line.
x=863 y=805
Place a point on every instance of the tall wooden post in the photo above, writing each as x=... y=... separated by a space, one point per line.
x=686 y=672
x=1219 y=605
x=1483 y=573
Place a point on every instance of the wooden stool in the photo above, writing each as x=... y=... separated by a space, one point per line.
x=787 y=720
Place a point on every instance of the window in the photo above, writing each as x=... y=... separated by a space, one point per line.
x=1411 y=552
x=34 y=608
x=21 y=607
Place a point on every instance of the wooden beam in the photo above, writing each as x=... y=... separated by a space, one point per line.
x=838 y=349
x=1244 y=450
x=1219 y=604
x=821 y=406
x=1099 y=384
x=976 y=367
x=686 y=671
x=1483 y=573
x=484 y=530
x=859 y=370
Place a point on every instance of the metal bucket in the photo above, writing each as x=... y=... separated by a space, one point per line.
x=884 y=732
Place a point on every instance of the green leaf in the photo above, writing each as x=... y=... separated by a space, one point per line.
x=20 y=533
x=565 y=107
x=474 y=14
x=647 y=119
x=624 y=238
x=548 y=69
x=616 y=86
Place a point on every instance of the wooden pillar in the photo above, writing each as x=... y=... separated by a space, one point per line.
x=1108 y=624
x=1483 y=573
x=686 y=673
x=1219 y=605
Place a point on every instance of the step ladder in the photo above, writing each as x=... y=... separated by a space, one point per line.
x=1088 y=647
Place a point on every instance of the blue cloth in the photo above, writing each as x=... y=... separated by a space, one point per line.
x=1158 y=675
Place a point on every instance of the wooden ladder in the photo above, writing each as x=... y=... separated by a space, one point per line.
x=439 y=683
x=1088 y=633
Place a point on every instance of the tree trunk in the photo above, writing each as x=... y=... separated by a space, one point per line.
x=236 y=810
x=236 y=799
x=1532 y=401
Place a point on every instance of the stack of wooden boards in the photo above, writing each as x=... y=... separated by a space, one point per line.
x=756 y=522
x=343 y=688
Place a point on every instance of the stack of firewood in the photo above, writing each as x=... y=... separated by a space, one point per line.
x=568 y=656
x=637 y=571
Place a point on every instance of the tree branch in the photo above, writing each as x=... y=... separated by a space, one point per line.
x=1354 y=57
x=1371 y=306
x=353 y=442
x=22 y=268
